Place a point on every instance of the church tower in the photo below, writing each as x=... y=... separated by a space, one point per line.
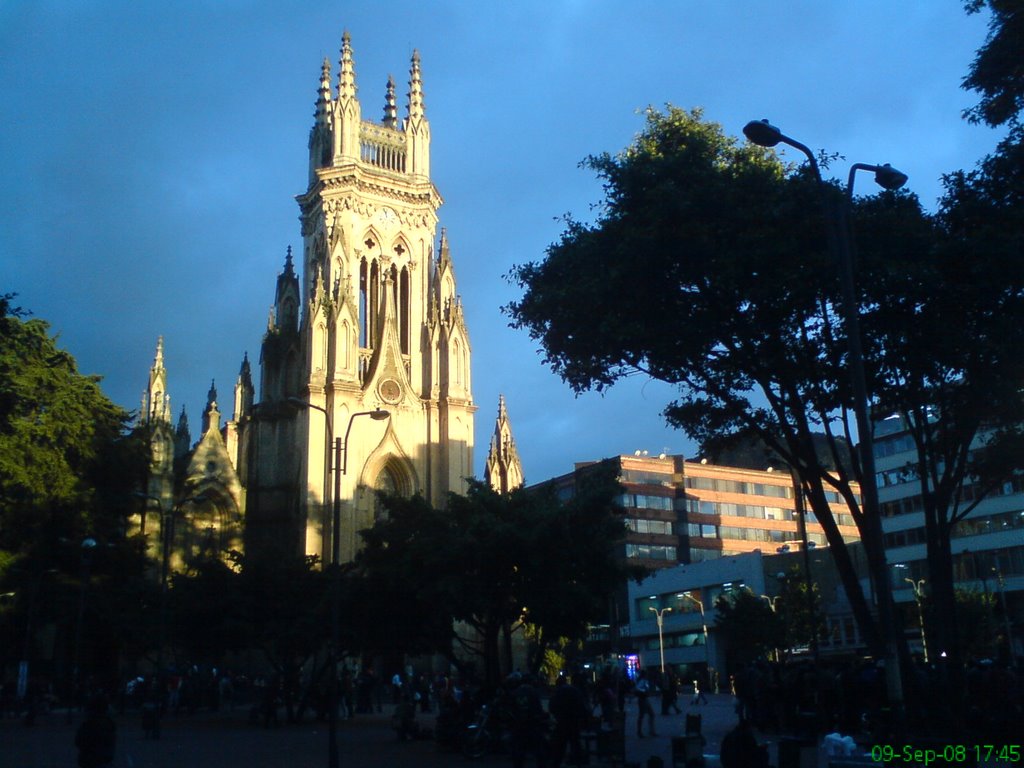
x=155 y=419
x=503 y=470
x=374 y=324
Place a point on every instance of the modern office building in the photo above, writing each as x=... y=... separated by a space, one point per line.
x=987 y=546
x=680 y=511
x=685 y=596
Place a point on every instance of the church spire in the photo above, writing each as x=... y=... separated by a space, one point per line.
x=244 y=391
x=182 y=436
x=347 y=75
x=286 y=301
x=416 y=108
x=211 y=414
x=390 y=110
x=503 y=470
x=156 y=402
x=444 y=259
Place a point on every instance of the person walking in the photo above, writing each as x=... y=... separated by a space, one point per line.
x=96 y=738
x=643 y=692
x=698 y=693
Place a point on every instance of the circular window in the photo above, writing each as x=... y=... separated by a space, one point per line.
x=389 y=391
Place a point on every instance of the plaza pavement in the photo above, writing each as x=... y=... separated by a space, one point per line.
x=226 y=740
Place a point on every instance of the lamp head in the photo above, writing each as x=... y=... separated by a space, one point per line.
x=297 y=402
x=889 y=178
x=380 y=414
x=762 y=133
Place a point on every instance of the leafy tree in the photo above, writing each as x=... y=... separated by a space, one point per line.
x=67 y=465
x=997 y=72
x=800 y=610
x=724 y=247
x=209 y=614
x=56 y=430
x=749 y=627
x=490 y=560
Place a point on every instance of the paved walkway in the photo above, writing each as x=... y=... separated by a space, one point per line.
x=226 y=740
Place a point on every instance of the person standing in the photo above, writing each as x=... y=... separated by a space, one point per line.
x=670 y=695
x=96 y=738
x=643 y=703
x=528 y=721
x=569 y=708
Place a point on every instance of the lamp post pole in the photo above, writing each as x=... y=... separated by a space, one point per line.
x=764 y=134
x=704 y=627
x=918 y=587
x=88 y=545
x=771 y=604
x=340 y=468
x=660 y=613
x=1006 y=616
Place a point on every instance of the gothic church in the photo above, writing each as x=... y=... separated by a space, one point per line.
x=365 y=363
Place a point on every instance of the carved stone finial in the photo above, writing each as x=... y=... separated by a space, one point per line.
x=324 y=91
x=347 y=74
x=416 y=107
x=390 y=110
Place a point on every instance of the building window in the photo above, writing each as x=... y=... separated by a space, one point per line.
x=660 y=527
x=651 y=552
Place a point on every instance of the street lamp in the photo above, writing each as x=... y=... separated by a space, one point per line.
x=88 y=547
x=340 y=468
x=764 y=134
x=918 y=587
x=340 y=463
x=772 y=601
x=704 y=627
x=660 y=613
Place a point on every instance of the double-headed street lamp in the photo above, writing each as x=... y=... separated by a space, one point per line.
x=660 y=613
x=340 y=452
x=704 y=627
x=764 y=134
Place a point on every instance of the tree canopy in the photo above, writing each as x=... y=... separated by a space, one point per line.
x=493 y=561
x=58 y=435
x=709 y=262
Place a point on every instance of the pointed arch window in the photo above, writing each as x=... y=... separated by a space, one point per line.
x=364 y=305
x=403 y=310
x=373 y=289
x=457 y=361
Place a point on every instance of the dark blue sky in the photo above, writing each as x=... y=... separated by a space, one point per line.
x=150 y=154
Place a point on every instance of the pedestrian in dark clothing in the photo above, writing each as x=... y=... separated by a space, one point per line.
x=643 y=692
x=96 y=738
x=568 y=706
x=670 y=695
x=528 y=722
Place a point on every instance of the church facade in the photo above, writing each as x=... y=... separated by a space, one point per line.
x=365 y=367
